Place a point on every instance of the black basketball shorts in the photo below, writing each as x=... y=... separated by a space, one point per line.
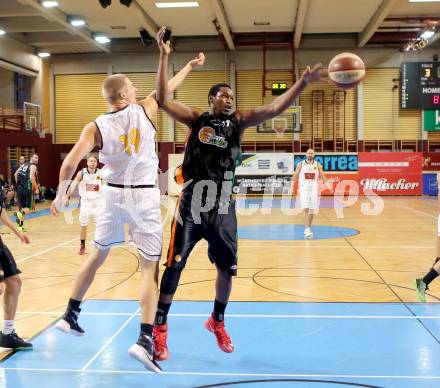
x=217 y=226
x=8 y=266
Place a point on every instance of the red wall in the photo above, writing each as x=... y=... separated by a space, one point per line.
x=44 y=148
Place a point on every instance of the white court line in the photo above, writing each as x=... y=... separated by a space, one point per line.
x=110 y=340
x=49 y=249
x=131 y=315
x=99 y=371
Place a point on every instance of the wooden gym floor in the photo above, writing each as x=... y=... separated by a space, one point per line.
x=376 y=264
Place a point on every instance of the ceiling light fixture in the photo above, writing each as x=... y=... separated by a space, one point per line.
x=180 y=4
x=76 y=22
x=43 y=55
x=102 y=39
x=2 y=32
x=50 y=4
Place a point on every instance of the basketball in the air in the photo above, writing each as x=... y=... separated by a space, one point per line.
x=346 y=70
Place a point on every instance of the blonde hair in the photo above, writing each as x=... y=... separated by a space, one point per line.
x=113 y=86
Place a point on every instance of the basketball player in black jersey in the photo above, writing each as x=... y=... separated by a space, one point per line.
x=26 y=178
x=205 y=209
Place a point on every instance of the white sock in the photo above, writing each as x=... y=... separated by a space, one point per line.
x=8 y=327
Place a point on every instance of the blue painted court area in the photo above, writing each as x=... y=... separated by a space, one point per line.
x=292 y=232
x=276 y=345
x=286 y=202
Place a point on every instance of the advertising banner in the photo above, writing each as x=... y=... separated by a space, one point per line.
x=431 y=120
x=266 y=164
x=333 y=162
x=391 y=173
x=430 y=185
x=262 y=184
x=431 y=161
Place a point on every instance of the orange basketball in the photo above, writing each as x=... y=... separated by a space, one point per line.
x=346 y=70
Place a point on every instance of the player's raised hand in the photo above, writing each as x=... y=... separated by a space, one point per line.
x=198 y=61
x=164 y=47
x=313 y=74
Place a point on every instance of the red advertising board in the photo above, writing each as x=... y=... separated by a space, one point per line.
x=391 y=173
x=431 y=161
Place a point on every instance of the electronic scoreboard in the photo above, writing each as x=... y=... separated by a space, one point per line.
x=420 y=85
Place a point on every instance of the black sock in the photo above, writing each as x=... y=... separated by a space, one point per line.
x=74 y=304
x=147 y=329
x=162 y=313
x=83 y=242
x=219 y=311
x=430 y=276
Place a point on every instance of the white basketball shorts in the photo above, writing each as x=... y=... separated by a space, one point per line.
x=309 y=198
x=89 y=208
x=140 y=210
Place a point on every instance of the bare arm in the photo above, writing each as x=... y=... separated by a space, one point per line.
x=73 y=186
x=256 y=116
x=32 y=177
x=150 y=103
x=8 y=223
x=175 y=109
x=297 y=172
x=84 y=145
x=178 y=79
x=16 y=175
x=322 y=176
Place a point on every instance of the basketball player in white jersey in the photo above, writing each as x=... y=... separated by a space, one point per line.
x=89 y=181
x=125 y=137
x=309 y=173
x=421 y=284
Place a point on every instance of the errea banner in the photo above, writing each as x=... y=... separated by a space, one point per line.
x=333 y=162
x=391 y=173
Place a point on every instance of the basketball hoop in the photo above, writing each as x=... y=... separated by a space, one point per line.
x=40 y=132
x=279 y=130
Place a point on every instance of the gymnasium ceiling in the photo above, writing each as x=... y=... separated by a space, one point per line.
x=233 y=23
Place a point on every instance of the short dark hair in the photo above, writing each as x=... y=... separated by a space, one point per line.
x=215 y=88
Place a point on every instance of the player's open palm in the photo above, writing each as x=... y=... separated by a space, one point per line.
x=164 y=47
x=313 y=74
x=198 y=61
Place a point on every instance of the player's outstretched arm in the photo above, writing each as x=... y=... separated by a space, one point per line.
x=249 y=118
x=85 y=144
x=175 y=109
x=8 y=223
x=150 y=103
x=178 y=79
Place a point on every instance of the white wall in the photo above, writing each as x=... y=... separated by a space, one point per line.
x=7 y=89
x=19 y=54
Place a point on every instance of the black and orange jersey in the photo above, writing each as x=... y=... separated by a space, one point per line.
x=212 y=149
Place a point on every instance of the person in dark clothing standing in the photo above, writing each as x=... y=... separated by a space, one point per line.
x=26 y=178
x=205 y=209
